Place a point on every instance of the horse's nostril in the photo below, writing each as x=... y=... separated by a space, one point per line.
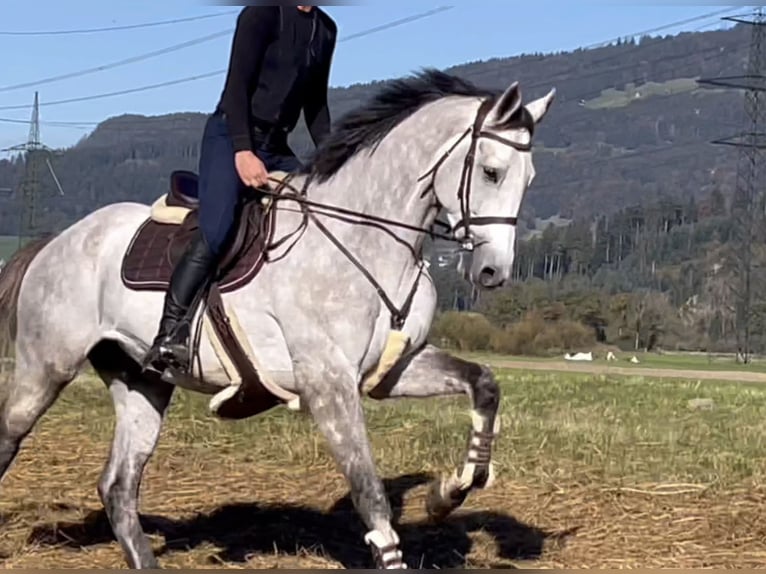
x=489 y=278
x=486 y=277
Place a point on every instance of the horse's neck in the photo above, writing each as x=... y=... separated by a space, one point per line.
x=385 y=184
x=391 y=196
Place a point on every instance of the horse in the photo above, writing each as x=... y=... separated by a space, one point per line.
x=319 y=315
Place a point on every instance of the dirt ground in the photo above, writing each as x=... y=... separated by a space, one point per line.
x=219 y=514
x=590 y=474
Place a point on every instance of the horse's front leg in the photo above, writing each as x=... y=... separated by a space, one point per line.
x=431 y=372
x=333 y=399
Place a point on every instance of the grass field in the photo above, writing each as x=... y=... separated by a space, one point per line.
x=593 y=471
x=613 y=98
x=675 y=361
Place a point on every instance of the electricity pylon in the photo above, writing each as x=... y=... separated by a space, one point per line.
x=37 y=154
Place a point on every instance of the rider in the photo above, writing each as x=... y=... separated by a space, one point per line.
x=279 y=65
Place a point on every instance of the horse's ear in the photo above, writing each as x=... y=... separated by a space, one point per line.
x=539 y=107
x=506 y=106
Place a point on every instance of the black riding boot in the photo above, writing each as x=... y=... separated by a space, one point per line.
x=191 y=276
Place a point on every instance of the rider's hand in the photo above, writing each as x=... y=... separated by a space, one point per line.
x=250 y=168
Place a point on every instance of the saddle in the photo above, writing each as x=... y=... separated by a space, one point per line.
x=161 y=240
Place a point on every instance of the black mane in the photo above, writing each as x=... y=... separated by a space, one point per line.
x=367 y=125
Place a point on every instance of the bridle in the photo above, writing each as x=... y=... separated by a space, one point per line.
x=399 y=315
x=464 y=188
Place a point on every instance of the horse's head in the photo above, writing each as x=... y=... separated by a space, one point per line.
x=480 y=181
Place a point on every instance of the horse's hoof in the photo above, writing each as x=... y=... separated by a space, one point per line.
x=442 y=499
x=385 y=550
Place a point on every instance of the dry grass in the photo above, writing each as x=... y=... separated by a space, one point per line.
x=593 y=472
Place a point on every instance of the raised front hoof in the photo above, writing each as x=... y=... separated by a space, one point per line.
x=443 y=498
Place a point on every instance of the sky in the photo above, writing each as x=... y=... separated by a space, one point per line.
x=455 y=32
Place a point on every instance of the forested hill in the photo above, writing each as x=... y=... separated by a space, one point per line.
x=630 y=125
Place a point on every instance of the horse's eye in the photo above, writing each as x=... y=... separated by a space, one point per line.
x=490 y=174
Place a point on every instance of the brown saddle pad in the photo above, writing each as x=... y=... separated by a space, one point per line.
x=156 y=246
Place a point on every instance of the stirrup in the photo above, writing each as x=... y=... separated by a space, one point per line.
x=162 y=356
x=174 y=355
x=151 y=358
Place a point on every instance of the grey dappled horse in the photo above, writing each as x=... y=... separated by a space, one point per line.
x=428 y=143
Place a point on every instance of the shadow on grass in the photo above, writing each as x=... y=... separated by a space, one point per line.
x=242 y=530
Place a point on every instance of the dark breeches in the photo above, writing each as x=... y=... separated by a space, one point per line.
x=220 y=187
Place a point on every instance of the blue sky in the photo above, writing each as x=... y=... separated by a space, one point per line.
x=476 y=29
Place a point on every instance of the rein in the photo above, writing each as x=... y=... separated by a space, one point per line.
x=399 y=315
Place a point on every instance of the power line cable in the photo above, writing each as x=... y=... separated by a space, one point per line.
x=641 y=153
x=192 y=79
x=611 y=41
x=113 y=28
x=120 y=92
x=678 y=23
x=543 y=82
x=511 y=66
x=395 y=23
x=583 y=96
x=221 y=71
x=571 y=115
x=85 y=124
x=372 y=30
x=352 y=36
x=194 y=42
x=131 y=60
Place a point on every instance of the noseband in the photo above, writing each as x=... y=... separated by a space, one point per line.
x=464 y=188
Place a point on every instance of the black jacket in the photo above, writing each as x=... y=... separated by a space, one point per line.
x=279 y=65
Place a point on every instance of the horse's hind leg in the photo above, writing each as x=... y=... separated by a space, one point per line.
x=140 y=406
x=431 y=372
x=28 y=393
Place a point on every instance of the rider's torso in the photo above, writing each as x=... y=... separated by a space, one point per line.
x=286 y=70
